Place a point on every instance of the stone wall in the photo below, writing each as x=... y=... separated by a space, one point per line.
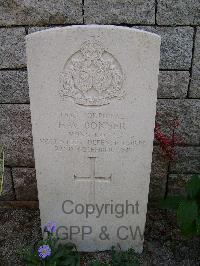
x=178 y=23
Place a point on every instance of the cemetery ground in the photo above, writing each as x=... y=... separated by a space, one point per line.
x=163 y=243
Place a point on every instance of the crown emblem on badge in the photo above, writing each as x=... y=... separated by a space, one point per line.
x=92 y=76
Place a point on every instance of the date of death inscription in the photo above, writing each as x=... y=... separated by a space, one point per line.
x=93 y=132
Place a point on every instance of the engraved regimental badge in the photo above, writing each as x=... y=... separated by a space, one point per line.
x=92 y=76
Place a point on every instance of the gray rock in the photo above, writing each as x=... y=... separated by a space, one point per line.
x=177 y=182
x=188 y=160
x=35 y=29
x=19 y=229
x=180 y=12
x=12 y=48
x=13 y=87
x=173 y=84
x=176 y=46
x=25 y=183
x=186 y=114
x=40 y=12
x=15 y=134
x=158 y=179
x=194 y=91
x=8 y=191
x=120 y=11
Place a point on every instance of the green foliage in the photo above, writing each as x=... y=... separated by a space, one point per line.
x=56 y=254
x=1 y=168
x=126 y=258
x=187 y=214
x=171 y=202
x=198 y=225
x=193 y=187
x=61 y=255
x=119 y=258
x=187 y=208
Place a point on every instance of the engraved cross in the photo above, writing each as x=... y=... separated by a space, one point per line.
x=93 y=178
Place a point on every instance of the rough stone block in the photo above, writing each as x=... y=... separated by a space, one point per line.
x=40 y=12
x=120 y=11
x=35 y=29
x=176 y=46
x=194 y=91
x=12 y=47
x=176 y=184
x=13 y=87
x=158 y=179
x=15 y=134
x=173 y=84
x=188 y=160
x=8 y=191
x=179 y=12
x=184 y=112
x=25 y=183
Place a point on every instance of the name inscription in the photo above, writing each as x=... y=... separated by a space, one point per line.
x=94 y=132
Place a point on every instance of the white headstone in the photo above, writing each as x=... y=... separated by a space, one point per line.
x=93 y=93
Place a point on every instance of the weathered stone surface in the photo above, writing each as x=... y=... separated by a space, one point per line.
x=158 y=179
x=120 y=11
x=173 y=84
x=176 y=46
x=8 y=191
x=188 y=160
x=35 y=29
x=25 y=183
x=88 y=153
x=184 y=112
x=195 y=82
x=13 y=87
x=19 y=230
x=177 y=182
x=180 y=12
x=15 y=134
x=12 y=47
x=40 y=12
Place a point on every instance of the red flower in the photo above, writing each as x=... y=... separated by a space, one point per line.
x=166 y=143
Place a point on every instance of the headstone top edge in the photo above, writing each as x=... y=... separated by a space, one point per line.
x=92 y=26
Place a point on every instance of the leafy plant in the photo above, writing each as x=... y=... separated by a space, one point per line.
x=49 y=252
x=1 y=168
x=125 y=258
x=119 y=258
x=187 y=208
x=167 y=143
